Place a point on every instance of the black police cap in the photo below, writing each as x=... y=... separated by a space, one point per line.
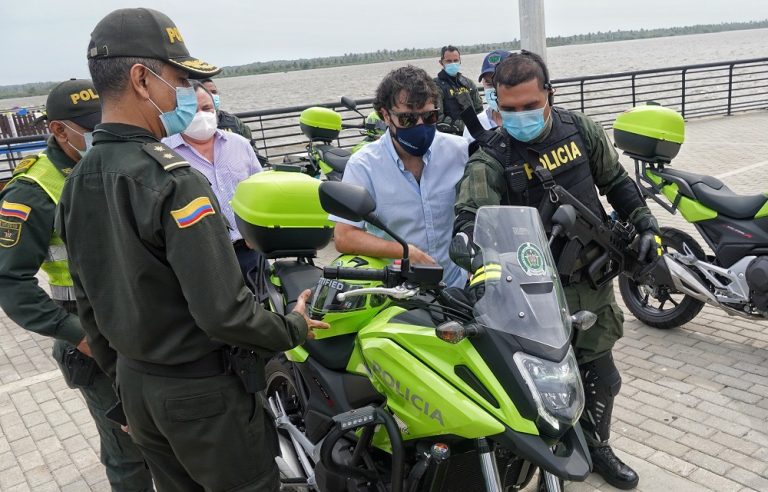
x=145 y=33
x=74 y=100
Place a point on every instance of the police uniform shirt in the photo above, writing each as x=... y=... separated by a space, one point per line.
x=151 y=259
x=26 y=224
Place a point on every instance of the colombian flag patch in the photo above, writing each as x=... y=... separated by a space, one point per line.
x=193 y=212
x=17 y=210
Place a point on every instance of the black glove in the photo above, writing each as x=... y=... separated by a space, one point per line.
x=461 y=251
x=483 y=275
x=648 y=242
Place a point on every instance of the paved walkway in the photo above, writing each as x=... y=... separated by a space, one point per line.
x=692 y=414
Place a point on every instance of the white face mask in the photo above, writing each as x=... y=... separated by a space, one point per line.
x=203 y=126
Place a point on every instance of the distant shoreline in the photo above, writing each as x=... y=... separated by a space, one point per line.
x=276 y=66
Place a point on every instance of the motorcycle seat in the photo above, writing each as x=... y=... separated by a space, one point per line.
x=333 y=156
x=714 y=194
x=295 y=277
x=728 y=203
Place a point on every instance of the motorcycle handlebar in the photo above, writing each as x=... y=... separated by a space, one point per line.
x=347 y=126
x=354 y=273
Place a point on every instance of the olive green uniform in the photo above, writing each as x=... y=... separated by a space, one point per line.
x=484 y=184
x=158 y=284
x=22 y=251
x=456 y=93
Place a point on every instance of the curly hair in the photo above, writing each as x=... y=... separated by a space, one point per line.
x=418 y=86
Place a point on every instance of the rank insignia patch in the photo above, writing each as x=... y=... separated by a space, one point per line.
x=193 y=213
x=10 y=233
x=17 y=210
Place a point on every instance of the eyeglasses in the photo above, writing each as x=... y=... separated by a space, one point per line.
x=411 y=118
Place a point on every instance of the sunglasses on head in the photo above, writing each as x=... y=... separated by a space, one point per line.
x=408 y=119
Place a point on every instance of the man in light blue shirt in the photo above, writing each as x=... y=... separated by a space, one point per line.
x=411 y=172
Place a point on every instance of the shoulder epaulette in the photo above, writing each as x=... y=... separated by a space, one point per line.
x=24 y=165
x=165 y=156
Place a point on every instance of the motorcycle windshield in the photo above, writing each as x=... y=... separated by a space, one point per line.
x=523 y=294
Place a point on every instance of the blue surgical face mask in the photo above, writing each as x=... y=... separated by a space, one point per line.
x=452 y=68
x=178 y=120
x=524 y=126
x=489 y=94
x=87 y=136
x=416 y=140
x=216 y=101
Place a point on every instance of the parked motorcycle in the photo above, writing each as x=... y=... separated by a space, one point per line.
x=414 y=388
x=322 y=126
x=735 y=227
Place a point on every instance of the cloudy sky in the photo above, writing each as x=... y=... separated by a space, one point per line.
x=43 y=40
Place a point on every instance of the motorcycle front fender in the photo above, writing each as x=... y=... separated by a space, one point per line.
x=575 y=464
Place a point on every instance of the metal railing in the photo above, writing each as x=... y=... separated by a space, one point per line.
x=707 y=89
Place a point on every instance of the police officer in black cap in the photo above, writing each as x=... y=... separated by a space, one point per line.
x=28 y=243
x=158 y=286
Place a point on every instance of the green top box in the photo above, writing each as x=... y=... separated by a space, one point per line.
x=651 y=133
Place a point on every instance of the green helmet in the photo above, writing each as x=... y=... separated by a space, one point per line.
x=374 y=125
x=351 y=314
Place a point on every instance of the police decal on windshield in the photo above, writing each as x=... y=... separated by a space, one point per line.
x=531 y=260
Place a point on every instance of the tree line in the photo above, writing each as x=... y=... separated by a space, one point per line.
x=40 y=88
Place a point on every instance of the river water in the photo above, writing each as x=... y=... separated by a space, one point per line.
x=253 y=92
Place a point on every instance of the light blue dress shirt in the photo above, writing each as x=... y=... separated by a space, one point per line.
x=419 y=212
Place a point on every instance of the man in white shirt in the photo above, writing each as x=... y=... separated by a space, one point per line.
x=411 y=172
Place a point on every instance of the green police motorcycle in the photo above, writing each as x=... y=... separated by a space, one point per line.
x=735 y=227
x=414 y=387
x=322 y=126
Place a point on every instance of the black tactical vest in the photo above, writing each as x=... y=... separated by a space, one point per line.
x=563 y=154
x=450 y=89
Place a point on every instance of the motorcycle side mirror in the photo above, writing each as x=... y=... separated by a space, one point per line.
x=349 y=103
x=353 y=202
x=565 y=215
x=349 y=201
x=583 y=320
x=563 y=220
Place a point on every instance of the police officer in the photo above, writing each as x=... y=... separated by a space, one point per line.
x=158 y=286
x=230 y=122
x=456 y=91
x=28 y=243
x=576 y=152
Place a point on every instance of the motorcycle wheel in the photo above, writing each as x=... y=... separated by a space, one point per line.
x=542 y=484
x=281 y=385
x=663 y=307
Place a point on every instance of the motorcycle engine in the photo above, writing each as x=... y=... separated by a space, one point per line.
x=757 y=280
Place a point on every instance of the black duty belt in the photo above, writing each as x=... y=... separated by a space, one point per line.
x=214 y=364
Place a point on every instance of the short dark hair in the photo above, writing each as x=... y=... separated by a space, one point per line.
x=203 y=81
x=110 y=75
x=521 y=67
x=447 y=48
x=418 y=85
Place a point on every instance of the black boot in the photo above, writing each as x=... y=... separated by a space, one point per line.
x=612 y=469
x=602 y=383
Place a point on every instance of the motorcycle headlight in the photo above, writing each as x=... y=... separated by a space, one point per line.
x=556 y=388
